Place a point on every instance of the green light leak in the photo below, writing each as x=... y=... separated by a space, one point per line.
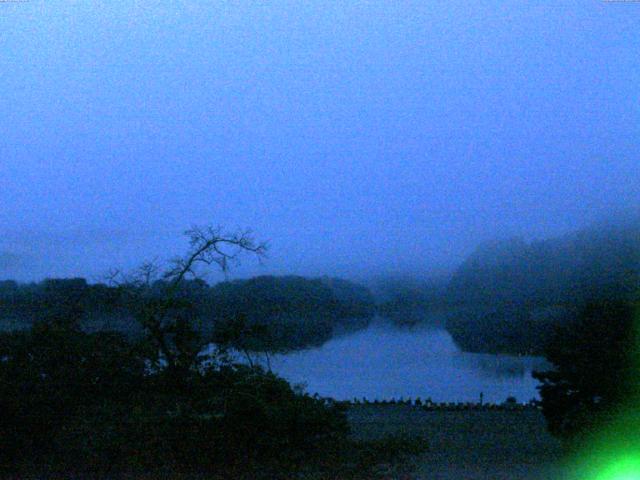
x=623 y=469
x=613 y=453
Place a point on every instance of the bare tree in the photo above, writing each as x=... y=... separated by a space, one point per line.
x=164 y=315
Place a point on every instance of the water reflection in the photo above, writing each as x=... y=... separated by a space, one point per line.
x=500 y=366
x=387 y=362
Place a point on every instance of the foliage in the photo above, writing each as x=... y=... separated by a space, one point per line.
x=408 y=303
x=596 y=360
x=77 y=401
x=51 y=375
x=285 y=313
x=504 y=328
x=353 y=300
x=509 y=295
x=86 y=402
x=22 y=305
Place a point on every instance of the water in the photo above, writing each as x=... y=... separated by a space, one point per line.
x=384 y=362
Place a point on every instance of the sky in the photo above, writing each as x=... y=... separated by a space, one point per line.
x=356 y=137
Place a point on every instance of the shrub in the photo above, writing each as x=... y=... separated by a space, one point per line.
x=78 y=402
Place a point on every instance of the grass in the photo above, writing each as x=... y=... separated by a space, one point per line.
x=469 y=445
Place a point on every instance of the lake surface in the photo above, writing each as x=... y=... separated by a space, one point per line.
x=386 y=362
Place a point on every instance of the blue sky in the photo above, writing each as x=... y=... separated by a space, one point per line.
x=357 y=137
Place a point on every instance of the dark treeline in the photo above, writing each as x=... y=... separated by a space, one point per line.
x=512 y=294
x=274 y=313
x=138 y=380
x=284 y=313
x=509 y=296
x=409 y=302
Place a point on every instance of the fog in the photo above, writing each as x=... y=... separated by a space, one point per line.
x=358 y=138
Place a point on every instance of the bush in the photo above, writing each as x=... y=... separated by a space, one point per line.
x=75 y=402
x=595 y=361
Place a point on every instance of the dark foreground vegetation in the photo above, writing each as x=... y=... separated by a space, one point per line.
x=164 y=398
x=595 y=382
x=77 y=403
x=87 y=405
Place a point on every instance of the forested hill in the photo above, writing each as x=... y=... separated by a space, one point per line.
x=292 y=312
x=509 y=295
x=410 y=301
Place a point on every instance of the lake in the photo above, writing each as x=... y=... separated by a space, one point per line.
x=384 y=362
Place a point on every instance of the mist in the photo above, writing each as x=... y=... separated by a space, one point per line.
x=358 y=138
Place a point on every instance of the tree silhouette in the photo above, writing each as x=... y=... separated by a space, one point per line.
x=596 y=360
x=154 y=292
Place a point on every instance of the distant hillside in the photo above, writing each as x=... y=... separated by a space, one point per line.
x=508 y=295
x=292 y=312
